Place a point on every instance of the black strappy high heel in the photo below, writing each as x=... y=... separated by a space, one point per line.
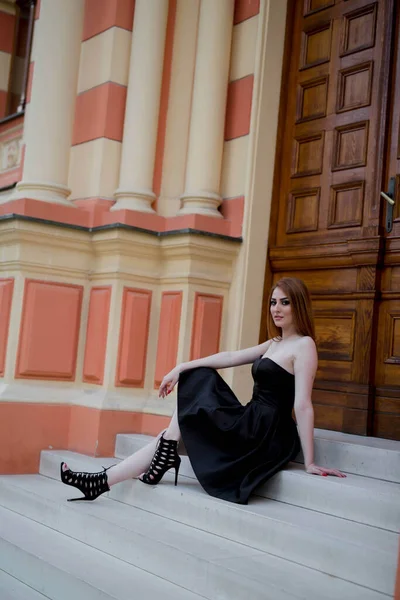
x=92 y=485
x=165 y=457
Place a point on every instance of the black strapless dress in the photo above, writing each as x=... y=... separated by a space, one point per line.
x=235 y=448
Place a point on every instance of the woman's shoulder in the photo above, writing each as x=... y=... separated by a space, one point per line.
x=305 y=344
x=305 y=357
x=306 y=340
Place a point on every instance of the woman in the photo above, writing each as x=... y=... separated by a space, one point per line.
x=234 y=448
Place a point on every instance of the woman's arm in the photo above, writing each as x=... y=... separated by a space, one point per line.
x=222 y=360
x=305 y=368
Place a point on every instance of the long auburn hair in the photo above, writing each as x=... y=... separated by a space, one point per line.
x=300 y=300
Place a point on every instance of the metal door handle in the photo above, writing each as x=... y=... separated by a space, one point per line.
x=389 y=197
x=390 y=200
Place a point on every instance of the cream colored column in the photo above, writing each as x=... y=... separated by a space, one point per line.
x=135 y=191
x=50 y=113
x=206 y=139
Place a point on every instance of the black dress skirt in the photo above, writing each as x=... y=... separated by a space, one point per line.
x=235 y=448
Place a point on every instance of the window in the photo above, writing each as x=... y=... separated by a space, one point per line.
x=16 y=26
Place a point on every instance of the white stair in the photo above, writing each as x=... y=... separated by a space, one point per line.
x=13 y=589
x=60 y=567
x=357 y=498
x=371 y=457
x=301 y=537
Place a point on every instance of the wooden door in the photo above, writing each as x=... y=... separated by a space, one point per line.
x=386 y=413
x=327 y=220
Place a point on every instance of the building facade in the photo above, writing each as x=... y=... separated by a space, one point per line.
x=162 y=163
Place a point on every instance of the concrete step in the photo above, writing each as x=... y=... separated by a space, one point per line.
x=13 y=589
x=357 y=498
x=356 y=454
x=62 y=568
x=177 y=553
x=360 y=455
x=215 y=567
x=351 y=551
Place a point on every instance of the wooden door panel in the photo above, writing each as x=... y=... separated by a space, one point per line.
x=387 y=399
x=346 y=205
x=344 y=331
x=354 y=86
x=359 y=28
x=384 y=424
x=312 y=96
x=335 y=326
x=338 y=372
x=389 y=374
x=316 y=43
x=340 y=419
x=348 y=401
x=324 y=284
x=313 y=6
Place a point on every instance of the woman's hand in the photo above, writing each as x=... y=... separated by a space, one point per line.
x=169 y=382
x=315 y=470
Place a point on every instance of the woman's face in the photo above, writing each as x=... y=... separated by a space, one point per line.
x=281 y=309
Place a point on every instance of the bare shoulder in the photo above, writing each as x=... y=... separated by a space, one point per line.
x=305 y=358
x=263 y=348
x=305 y=343
x=305 y=348
x=268 y=343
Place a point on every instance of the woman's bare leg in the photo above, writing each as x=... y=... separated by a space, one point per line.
x=173 y=432
x=140 y=461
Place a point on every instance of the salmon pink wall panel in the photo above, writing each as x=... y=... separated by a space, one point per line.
x=100 y=15
x=133 y=337
x=49 y=333
x=25 y=429
x=3 y=103
x=245 y=9
x=6 y=292
x=206 y=325
x=96 y=334
x=238 y=108
x=232 y=209
x=7 y=31
x=100 y=112
x=168 y=336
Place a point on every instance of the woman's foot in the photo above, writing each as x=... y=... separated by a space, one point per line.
x=92 y=485
x=165 y=457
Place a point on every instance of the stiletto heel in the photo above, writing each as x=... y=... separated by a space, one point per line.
x=92 y=485
x=177 y=466
x=166 y=457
